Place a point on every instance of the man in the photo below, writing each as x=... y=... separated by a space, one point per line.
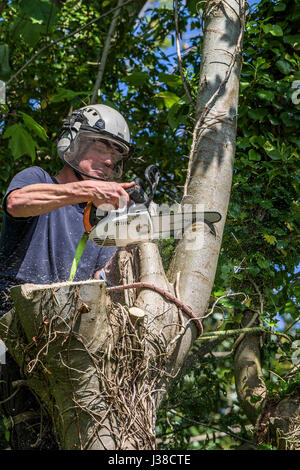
x=43 y=223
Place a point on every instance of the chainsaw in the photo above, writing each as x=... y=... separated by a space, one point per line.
x=142 y=219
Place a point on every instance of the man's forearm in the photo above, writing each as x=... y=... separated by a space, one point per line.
x=37 y=199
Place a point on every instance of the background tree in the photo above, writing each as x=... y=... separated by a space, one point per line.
x=259 y=254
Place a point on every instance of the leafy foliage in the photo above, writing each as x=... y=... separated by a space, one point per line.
x=260 y=252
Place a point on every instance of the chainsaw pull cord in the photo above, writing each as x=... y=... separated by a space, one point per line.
x=152 y=177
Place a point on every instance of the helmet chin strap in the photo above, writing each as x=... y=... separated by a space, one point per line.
x=80 y=178
x=78 y=175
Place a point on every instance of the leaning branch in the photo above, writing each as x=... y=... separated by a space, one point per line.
x=102 y=63
x=185 y=85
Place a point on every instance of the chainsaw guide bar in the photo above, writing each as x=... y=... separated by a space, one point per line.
x=142 y=219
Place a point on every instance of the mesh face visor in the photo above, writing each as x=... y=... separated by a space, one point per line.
x=96 y=156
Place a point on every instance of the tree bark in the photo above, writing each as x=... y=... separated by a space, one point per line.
x=276 y=420
x=278 y=424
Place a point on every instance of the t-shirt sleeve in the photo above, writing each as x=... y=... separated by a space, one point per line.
x=32 y=175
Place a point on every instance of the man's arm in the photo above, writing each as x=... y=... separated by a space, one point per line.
x=37 y=199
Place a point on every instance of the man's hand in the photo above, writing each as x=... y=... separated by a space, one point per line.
x=108 y=195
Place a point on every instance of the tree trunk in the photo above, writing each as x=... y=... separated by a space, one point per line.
x=249 y=384
x=212 y=152
x=102 y=362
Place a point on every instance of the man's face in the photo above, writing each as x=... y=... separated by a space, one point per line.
x=98 y=158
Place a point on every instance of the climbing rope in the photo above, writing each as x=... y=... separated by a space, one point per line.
x=211 y=335
x=164 y=293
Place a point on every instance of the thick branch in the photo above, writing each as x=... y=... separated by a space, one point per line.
x=184 y=82
x=250 y=386
x=102 y=63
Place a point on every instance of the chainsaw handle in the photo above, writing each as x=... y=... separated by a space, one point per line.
x=87 y=216
x=136 y=194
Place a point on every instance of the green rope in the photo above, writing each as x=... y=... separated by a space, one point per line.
x=210 y=335
x=79 y=250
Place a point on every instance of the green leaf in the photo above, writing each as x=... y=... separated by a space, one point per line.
x=218 y=293
x=244 y=85
x=194 y=6
x=40 y=11
x=21 y=142
x=280 y=7
x=266 y=95
x=78 y=254
x=137 y=78
x=32 y=125
x=170 y=79
x=178 y=113
x=167 y=4
x=275 y=29
x=253 y=155
x=256 y=398
x=284 y=66
x=168 y=98
x=288 y=119
x=32 y=32
x=64 y=94
x=281 y=244
x=268 y=146
x=292 y=39
x=270 y=239
x=34 y=19
x=273 y=120
x=243 y=143
x=274 y=154
x=263 y=263
x=254 y=270
x=257 y=114
x=267 y=28
x=257 y=141
x=110 y=103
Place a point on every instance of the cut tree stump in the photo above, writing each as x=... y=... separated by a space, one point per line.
x=99 y=367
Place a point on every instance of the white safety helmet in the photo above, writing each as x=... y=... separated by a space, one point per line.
x=95 y=125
